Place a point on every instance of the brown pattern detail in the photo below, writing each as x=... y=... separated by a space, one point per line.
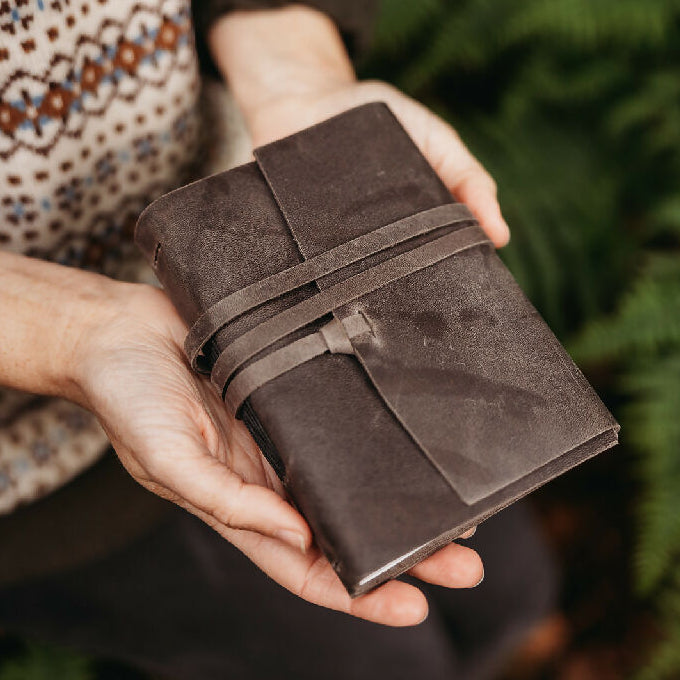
x=129 y=54
x=15 y=180
x=4 y=54
x=91 y=75
x=10 y=118
x=126 y=58
x=52 y=33
x=41 y=175
x=28 y=45
x=24 y=21
x=57 y=102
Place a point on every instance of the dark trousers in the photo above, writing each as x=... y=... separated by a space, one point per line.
x=171 y=596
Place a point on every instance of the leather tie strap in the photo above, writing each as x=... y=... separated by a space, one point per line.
x=229 y=308
x=334 y=337
x=279 y=326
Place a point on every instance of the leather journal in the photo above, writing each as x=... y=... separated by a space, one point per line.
x=380 y=353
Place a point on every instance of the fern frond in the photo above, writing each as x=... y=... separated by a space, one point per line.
x=648 y=319
x=586 y=24
x=654 y=387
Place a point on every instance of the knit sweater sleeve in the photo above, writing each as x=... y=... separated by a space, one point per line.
x=354 y=18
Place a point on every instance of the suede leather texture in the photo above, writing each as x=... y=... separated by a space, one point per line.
x=459 y=401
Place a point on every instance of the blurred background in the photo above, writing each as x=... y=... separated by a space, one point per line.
x=574 y=108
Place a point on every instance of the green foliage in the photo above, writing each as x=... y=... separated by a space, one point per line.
x=574 y=107
x=44 y=662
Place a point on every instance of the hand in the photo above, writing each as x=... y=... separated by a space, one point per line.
x=288 y=69
x=467 y=180
x=172 y=433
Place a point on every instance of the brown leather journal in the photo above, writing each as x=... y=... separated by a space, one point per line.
x=382 y=356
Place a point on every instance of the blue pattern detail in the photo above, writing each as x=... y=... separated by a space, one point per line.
x=21 y=465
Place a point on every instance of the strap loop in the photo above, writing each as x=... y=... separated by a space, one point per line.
x=229 y=308
x=333 y=337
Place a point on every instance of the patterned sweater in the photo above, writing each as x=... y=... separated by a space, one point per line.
x=98 y=116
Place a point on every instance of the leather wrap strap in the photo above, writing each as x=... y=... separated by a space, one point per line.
x=333 y=337
x=229 y=308
x=262 y=336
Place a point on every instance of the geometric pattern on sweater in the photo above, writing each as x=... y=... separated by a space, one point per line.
x=98 y=116
x=85 y=236
x=71 y=198
x=118 y=60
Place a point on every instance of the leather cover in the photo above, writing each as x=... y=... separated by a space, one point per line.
x=458 y=402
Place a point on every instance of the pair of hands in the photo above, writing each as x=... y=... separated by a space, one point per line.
x=172 y=433
x=168 y=425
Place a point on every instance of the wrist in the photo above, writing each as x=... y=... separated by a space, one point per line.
x=47 y=310
x=87 y=317
x=269 y=55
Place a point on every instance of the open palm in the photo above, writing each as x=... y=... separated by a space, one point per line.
x=172 y=433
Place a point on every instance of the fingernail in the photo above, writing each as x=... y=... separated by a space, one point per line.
x=480 y=580
x=427 y=613
x=293 y=539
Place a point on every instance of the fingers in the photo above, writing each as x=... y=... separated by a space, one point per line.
x=454 y=566
x=465 y=177
x=202 y=482
x=477 y=190
x=312 y=578
x=469 y=533
x=394 y=603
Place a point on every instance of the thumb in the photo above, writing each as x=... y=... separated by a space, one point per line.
x=465 y=177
